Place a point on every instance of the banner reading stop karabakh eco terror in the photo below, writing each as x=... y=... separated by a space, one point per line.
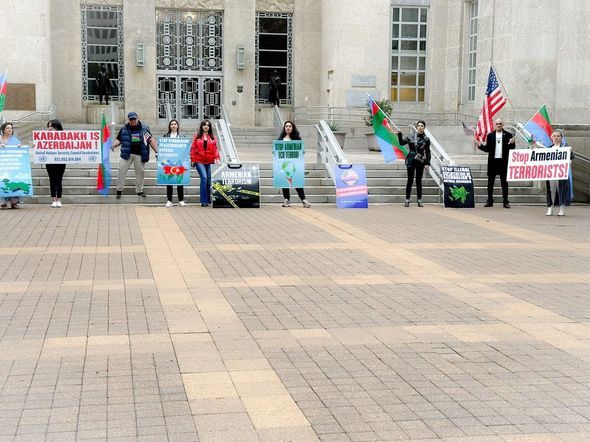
x=66 y=147
x=15 y=172
x=458 y=187
x=174 y=162
x=288 y=164
x=552 y=163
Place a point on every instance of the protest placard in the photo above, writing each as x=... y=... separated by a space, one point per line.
x=288 y=164
x=236 y=185
x=351 y=186
x=551 y=163
x=66 y=147
x=458 y=187
x=15 y=172
x=174 y=168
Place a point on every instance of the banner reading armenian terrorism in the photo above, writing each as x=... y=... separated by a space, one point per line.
x=288 y=164
x=351 y=186
x=235 y=185
x=458 y=187
x=15 y=172
x=174 y=167
x=539 y=164
x=66 y=147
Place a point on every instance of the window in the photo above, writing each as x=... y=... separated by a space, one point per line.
x=472 y=63
x=274 y=51
x=102 y=43
x=408 y=53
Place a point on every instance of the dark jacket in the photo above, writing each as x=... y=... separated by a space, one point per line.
x=124 y=137
x=490 y=148
x=417 y=144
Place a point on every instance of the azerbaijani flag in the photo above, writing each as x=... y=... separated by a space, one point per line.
x=103 y=179
x=387 y=140
x=3 y=79
x=539 y=126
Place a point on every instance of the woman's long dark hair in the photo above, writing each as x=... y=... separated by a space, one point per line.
x=56 y=124
x=4 y=126
x=294 y=135
x=210 y=133
x=170 y=130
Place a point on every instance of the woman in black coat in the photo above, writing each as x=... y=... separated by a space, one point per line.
x=417 y=160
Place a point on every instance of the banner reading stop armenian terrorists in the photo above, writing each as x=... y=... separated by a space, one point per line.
x=174 y=167
x=552 y=163
x=288 y=164
x=66 y=147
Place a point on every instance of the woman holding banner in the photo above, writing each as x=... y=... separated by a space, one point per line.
x=55 y=171
x=7 y=138
x=559 y=192
x=417 y=160
x=174 y=132
x=204 y=153
x=290 y=133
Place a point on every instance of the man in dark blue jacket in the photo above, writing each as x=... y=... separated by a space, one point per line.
x=135 y=140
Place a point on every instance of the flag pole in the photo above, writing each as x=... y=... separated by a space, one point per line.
x=384 y=113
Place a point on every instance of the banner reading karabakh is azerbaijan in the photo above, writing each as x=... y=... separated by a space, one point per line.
x=15 y=172
x=387 y=140
x=539 y=126
x=173 y=161
x=288 y=164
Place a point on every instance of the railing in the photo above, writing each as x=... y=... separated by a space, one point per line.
x=330 y=153
x=277 y=117
x=38 y=116
x=225 y=115
x=228 y=151
x=438 y=158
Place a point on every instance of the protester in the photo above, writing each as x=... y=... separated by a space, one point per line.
x=204 y=153
x=135 y=140
x=417 y=160
x=498 y=144
x=174 y=132
x=290 y=133
x=7 y=138
x=55 y=172
x=559 y=192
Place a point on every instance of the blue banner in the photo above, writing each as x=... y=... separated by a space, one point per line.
x=174 y=166
x=351 y=186
x=288 y=164
x=15 y=172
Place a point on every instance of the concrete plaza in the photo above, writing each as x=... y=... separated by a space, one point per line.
x=127 y=322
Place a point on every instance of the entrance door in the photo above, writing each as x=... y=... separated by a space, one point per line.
x=189 y=66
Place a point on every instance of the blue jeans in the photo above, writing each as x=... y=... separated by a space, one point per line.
x=205 y=188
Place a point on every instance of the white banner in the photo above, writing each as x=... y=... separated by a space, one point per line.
x=66 y=146
x=551 y=163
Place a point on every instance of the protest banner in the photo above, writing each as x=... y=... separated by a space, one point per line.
x=235 y=185
x=551 y=163
x=174 y=165
x=288 y=164
x=15 y=172
x=351 y=186
x=458 y=187
x=66 y=147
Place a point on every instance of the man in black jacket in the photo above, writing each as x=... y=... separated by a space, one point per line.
x=498 y=145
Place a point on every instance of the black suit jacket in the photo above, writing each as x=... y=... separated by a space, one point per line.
x=490 y=148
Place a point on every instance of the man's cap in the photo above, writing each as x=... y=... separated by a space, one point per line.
x=132 y=115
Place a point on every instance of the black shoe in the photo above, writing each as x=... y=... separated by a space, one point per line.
x=141 y=194
x=118 y=194
x=506 y=205
x=489 y=204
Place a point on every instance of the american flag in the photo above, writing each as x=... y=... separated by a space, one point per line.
x=493 y=102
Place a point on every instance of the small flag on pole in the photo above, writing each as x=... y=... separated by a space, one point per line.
x=386 y=138
x=539 y=126
x=493 y=102
x=3 y=79
x=103 y=179
x=467 y=130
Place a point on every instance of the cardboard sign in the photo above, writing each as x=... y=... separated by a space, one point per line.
x=351 y=186
x=15 y=172
x=66 y=147
x=288 y=164
x=458 y=187
x=552 y=163
x=235 y=185
x=174 y=164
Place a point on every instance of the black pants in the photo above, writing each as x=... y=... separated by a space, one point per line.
x=170 y=189
x=419 y=171
x=497 y=168
x=287 y=193
x=106 y=98
x=56 y=175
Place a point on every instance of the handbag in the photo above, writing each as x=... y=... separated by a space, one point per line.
x=420 y=157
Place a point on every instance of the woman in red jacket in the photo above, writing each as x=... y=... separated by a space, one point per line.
x=204 y=153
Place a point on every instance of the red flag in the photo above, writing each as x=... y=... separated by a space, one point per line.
x=493 y=102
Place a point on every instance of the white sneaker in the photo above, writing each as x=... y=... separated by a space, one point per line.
x=286 y=203
x=549 y=211
x=58 y=204
x=181 y=203
x=169 y=204
x=561 y=211
x=306 y=204
x=54 y=204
